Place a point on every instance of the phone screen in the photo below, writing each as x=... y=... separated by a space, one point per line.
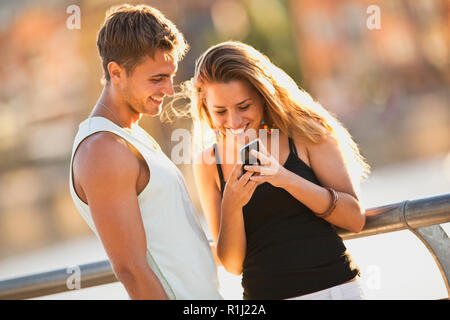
x=246 y=157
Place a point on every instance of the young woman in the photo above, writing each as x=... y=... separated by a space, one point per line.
x=275 y=224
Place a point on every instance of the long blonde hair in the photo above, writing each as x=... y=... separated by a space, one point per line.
x=289 y=108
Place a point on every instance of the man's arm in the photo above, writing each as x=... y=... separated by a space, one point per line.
x=108 y=170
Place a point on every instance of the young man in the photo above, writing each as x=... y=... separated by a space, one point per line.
x=129 y=193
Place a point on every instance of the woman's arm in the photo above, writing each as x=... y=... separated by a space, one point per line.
x=209 y=196
x=328 y=165
x=225 y=219
x=327 y=162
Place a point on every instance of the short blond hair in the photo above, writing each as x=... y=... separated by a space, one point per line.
x=131 y=32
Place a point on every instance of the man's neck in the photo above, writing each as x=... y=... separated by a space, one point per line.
x=112 y=106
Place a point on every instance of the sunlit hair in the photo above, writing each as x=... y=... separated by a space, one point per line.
x=288 y=107
x=131 y=32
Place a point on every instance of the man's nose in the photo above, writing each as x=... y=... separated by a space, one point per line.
x=168 y=88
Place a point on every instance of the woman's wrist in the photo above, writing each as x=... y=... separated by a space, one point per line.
x=228 y=207
x=287 y=179
x=334 y=198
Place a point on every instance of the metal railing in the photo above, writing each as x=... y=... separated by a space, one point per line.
x=421 y=216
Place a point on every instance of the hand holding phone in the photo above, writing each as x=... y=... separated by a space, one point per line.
x=246 y=157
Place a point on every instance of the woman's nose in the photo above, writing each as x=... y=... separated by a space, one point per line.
x=234 y=120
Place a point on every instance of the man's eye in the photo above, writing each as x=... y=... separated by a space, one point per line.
x=156 y=80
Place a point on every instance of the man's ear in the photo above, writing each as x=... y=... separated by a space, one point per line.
x=116 y=72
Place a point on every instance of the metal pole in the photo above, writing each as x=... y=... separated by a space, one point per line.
x=394 y=217
x=56 y=281
x=389 y=218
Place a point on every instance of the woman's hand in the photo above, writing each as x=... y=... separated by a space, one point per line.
x=270 y=169
x=238 y=190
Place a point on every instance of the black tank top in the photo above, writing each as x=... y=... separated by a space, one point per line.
x=290 y=251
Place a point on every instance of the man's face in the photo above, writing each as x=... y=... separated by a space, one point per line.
x=151 y=80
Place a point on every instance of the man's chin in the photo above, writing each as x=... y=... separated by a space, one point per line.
x=152 y=111
x=153 y=115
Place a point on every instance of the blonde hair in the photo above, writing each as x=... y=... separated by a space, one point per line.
x=288 y=107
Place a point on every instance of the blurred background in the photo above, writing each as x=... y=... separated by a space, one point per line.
x=384 y=71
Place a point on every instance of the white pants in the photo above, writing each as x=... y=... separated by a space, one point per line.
x=346 y=291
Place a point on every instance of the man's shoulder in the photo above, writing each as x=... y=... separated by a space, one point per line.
x=103 y=142
x=105 y=150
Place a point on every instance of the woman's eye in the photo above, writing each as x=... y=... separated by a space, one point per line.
x=221 y=112
x=244 y=107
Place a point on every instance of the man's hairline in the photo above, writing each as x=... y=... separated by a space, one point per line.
x=141 y=60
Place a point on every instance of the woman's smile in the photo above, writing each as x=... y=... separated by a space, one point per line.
x=238 y=131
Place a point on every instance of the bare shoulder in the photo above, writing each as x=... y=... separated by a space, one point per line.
x=326 y=153
x=205 y=159
x=304 y=147
x=302 y=140
x=103 y=155
x=205 y=166
x=328 y=144
x=328 y=163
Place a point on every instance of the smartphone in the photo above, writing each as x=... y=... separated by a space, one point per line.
x=246 y=157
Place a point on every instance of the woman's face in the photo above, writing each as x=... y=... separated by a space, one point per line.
x=235 y=107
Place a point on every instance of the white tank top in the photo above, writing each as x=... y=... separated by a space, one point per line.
x=177 y=249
